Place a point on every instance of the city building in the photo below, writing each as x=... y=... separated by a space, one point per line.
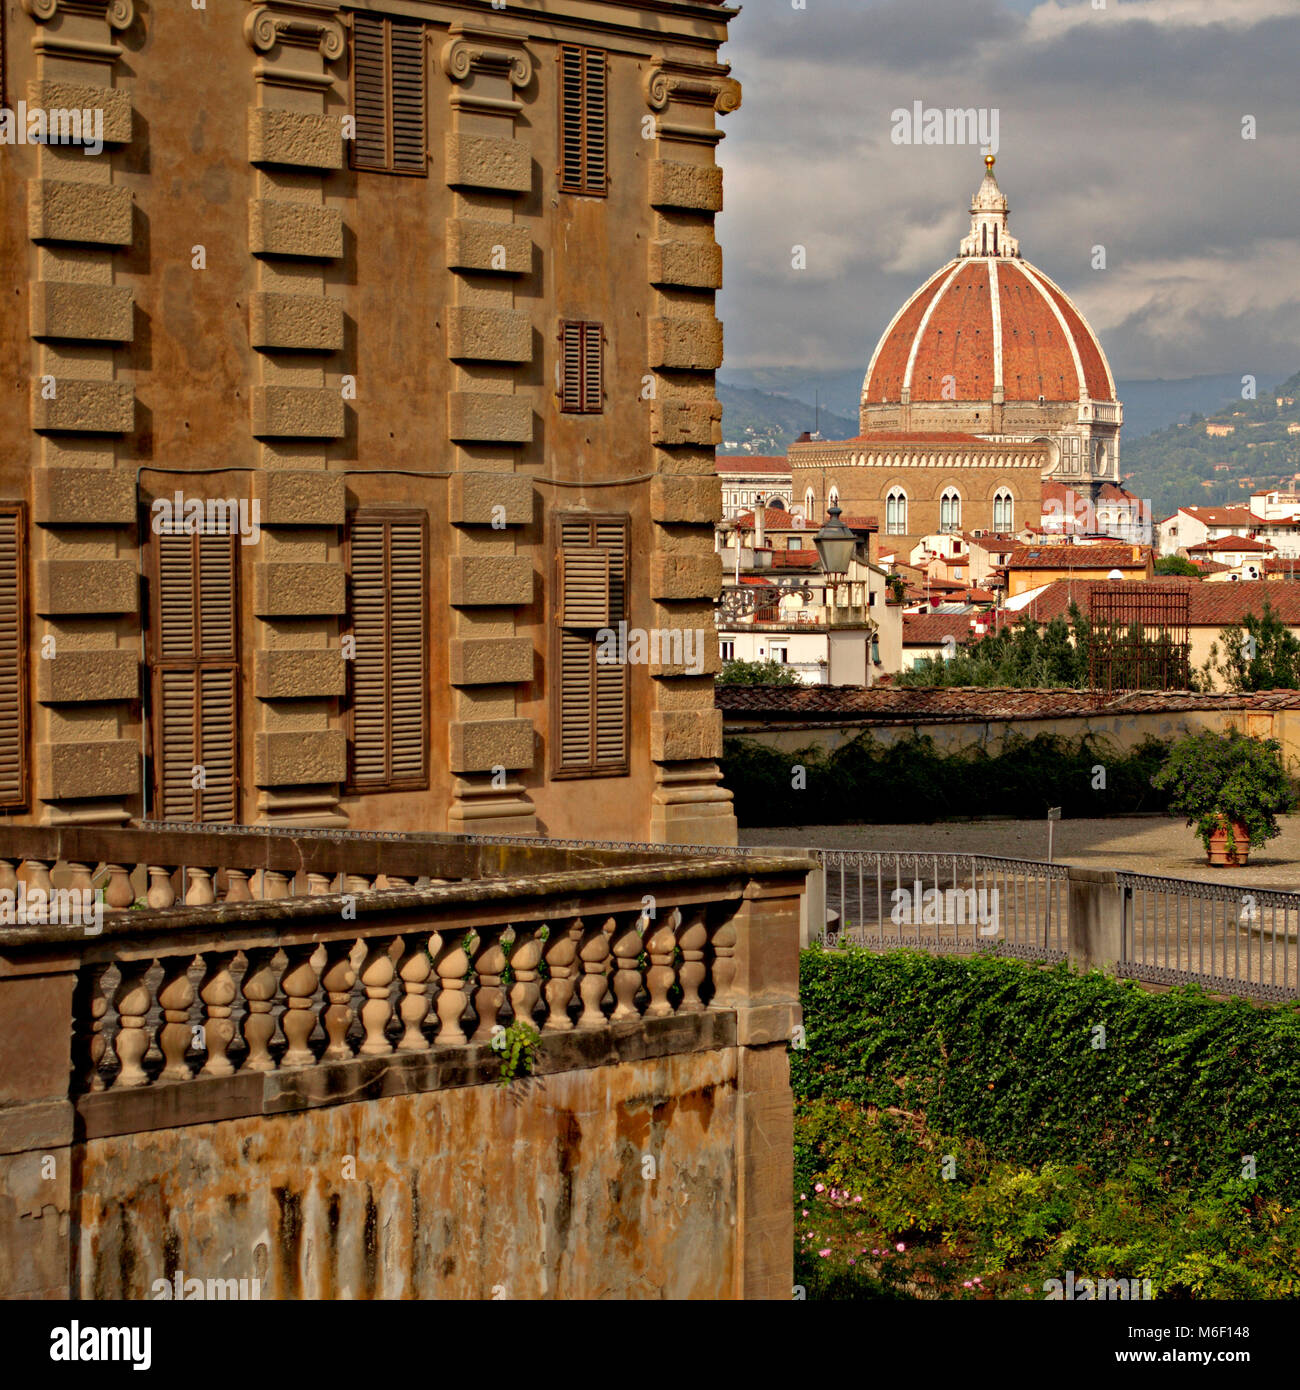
x=1034 y=567
x=752 y=481
x=987 y=382
x=367 y=377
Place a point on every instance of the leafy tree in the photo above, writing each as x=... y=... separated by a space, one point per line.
x=1260 y=654
x=1176 y=564
x=757 y=673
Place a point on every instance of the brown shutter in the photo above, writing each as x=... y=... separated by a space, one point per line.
x=196 y=677
x=590 y=698
x=388 y=681
x=571 y=367
x=582 y=120
x=388 y=83
x=592 y=383
x=13 y=662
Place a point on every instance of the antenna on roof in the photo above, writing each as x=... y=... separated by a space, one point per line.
x=817 y=412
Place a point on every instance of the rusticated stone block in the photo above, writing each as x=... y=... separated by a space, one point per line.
x=300 y=497
x=489 y=416
x=685 y=736
x=86 y=586
x=299 y=675
x=677 y=185
x=488 y=161
x=491 y=660
x=114 y=102
x=486 y=499
x=697 y=264
x=66 y=309
x=68 y=770
x=286 y=412
x=674 y=422
x=499 y=246
x=689 y=344
x=689 y=651
x=277 y=228
x=488 y=335
x=95 y=407
x=301 y=139
x=300 y=322
x=83 y=496
x=62 y=210
x=76 y=676
x=481 y=745
x=478 y=580
x=685 y=576
x=298 y=590
x=292 y=758
x=685 y=499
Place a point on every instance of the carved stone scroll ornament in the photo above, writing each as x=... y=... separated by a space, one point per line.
x=692 y=87
x=461 y=56
x=265 y=27
x=118 y=13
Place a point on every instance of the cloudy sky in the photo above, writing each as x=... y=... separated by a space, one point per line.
x=1118 y=126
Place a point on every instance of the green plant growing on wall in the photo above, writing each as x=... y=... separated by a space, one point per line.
x=515 y=1044
x=756 y=673
x=1217 y=780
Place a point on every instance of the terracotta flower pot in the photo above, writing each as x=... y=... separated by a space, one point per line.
x=1219 y=852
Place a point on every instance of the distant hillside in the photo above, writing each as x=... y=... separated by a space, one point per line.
x=1185 y=464
x=769 y=423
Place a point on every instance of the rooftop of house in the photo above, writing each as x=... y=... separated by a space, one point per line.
x=1089 y=557
x=1229 y=543
x=929 y=629
x=750 y=463
x=774 y=519
x=1211 y=605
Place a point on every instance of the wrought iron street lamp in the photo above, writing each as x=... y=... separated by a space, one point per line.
x=835 y=543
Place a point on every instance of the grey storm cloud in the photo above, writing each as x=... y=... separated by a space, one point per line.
x=1119 y=128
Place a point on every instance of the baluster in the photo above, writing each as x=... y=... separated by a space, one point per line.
x=594 y=954
x=489 y=962
x=237 y=889
x=452 y=965
x=299 y=985
x=396 y=881
x=561 y=958
x=377 y=975
x=318 y=884
x=199 y=888
x=691 y=941
x=337 y=979
x=38 y=877
x=414 y=968
x=9 y=876
x=118 y=892
x=81 y=881
x=724 y=961
x=357 y=883
x=659 y=978
x=217 y=990
x=524 y=957
x=626 y=947
x=132 y=999
x=162 y=893
x=90 y=1011
x=259 y=995
x=175 y=995
x=275 y=883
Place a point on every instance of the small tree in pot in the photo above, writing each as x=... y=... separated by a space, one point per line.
x=1230 y=787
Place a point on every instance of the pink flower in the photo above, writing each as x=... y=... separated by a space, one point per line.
x=853 y=1261
x=900 y=1246
x=804 y=1212
x=977 y=1279
x=875 y=1252
x=823 y=1253
x=968 y=1285
x=857 y=1199
x=818 y=1187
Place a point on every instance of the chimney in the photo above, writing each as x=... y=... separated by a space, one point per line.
x=1137 y=552
x=760 y=516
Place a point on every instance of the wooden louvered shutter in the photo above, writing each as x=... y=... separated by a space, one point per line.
x=590 y=697
x=13 y=662
x=571 y=367
x=388 y=95
x=388 y=683
x=582 y=120
x=196 y=677
x=592 y=382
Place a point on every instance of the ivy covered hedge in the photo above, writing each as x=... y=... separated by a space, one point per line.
x=1008 y=1055
x=914 y=780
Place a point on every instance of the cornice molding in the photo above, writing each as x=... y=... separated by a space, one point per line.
x=267 y=26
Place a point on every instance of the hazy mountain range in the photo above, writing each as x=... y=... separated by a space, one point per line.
x=770 y=406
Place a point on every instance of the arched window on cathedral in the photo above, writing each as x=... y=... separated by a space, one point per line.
x=896 y=512
x=809 y=504
x=833 y=498
x=1002 y=511
x=950 y=510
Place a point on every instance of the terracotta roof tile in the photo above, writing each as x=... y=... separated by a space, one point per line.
x=1089 y=557
x=750 y=463
x=1211 y=605
x=1242 y=543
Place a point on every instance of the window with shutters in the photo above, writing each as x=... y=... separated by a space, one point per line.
x=582 y=120
x=388 y=704
x=589 y=697
x=388 y=95
x=194 y=676
x=582 y=368
x=13 y=657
